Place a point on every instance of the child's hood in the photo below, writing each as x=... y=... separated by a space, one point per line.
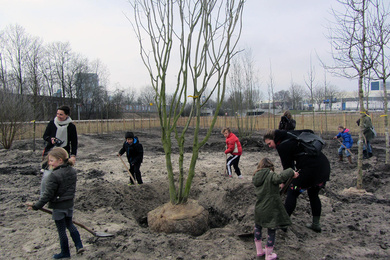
x=346 y=130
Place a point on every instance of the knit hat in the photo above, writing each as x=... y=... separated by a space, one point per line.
x=129 y=135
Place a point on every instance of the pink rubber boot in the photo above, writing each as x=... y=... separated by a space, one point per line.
x=259 y=248
x=268 y=253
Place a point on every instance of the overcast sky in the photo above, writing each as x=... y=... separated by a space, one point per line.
x=283 y=33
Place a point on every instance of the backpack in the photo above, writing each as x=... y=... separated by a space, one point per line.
x=312 y=144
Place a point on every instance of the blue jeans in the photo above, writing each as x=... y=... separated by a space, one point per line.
x=347 y=153
x=367 y=147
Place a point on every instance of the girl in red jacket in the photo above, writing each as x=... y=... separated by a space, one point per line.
x=233 y=146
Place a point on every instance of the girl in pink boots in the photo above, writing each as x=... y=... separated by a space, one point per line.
x=269 y=210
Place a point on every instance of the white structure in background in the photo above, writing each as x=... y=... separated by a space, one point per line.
x=350 y=100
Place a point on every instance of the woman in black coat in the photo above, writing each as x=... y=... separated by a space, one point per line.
x=314 y=172
x=61 y=132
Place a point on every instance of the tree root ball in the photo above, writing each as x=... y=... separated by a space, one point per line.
x=189 y=218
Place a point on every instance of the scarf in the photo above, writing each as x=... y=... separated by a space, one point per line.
x=62 y=130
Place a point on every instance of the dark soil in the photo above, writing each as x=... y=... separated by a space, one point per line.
x=355 y=226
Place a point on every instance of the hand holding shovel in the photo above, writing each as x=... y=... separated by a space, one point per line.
x=127 y=169
x=287 y=184
x=96 y=234
x=346 y=148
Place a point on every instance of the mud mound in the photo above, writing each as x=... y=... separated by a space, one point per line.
x=133 y=201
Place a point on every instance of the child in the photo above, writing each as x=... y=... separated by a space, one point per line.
x=269 y=210
x=60 y=192
x=135 y=154
x=233 y=146
x=347 y=143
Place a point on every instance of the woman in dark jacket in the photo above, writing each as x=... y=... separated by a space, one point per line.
x=61 y=132
x=314 y=172
x=287 y=122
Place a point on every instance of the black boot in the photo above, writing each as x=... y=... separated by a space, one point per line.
x=315 y=225
x=365 y=156
x=369 y=155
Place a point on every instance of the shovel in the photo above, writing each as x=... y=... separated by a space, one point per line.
x=287 y=185
x=124 y=164
x=346 y=148
x=96 y=234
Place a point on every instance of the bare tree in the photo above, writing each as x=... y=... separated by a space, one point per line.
x=12 y=120
x=34 y=74
x=205 y=34
x=59 y=55
x=331 y=93
x=129 y=95
x=245 y=91
x=76 y=64
x=283 y=99
x=381 y=32
x=353 y=53
x=16 y=43
x=271 y=98
x=48 y=73
x=310 y=84
x=296 y=94
x=319 y=96
x=147 y=95
x=3 y=63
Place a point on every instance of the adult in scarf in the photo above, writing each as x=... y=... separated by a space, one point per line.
x=60 y=132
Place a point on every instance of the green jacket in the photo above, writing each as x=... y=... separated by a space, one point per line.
x=269 y=209
x=367 y=125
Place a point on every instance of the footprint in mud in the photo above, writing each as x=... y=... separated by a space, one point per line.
x=94 y=174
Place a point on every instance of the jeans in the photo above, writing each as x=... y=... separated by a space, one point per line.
x=347 y=153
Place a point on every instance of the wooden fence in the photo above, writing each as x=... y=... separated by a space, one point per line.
x=323 y=123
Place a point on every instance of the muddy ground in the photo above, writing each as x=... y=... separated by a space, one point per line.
x=354 y=226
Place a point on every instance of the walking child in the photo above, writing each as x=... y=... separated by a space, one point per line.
x=60 y=192
x=135 y=154
x=233 y=146
x=269 y=210
x=347 y=143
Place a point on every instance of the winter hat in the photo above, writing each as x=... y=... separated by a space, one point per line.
x=129 y=135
